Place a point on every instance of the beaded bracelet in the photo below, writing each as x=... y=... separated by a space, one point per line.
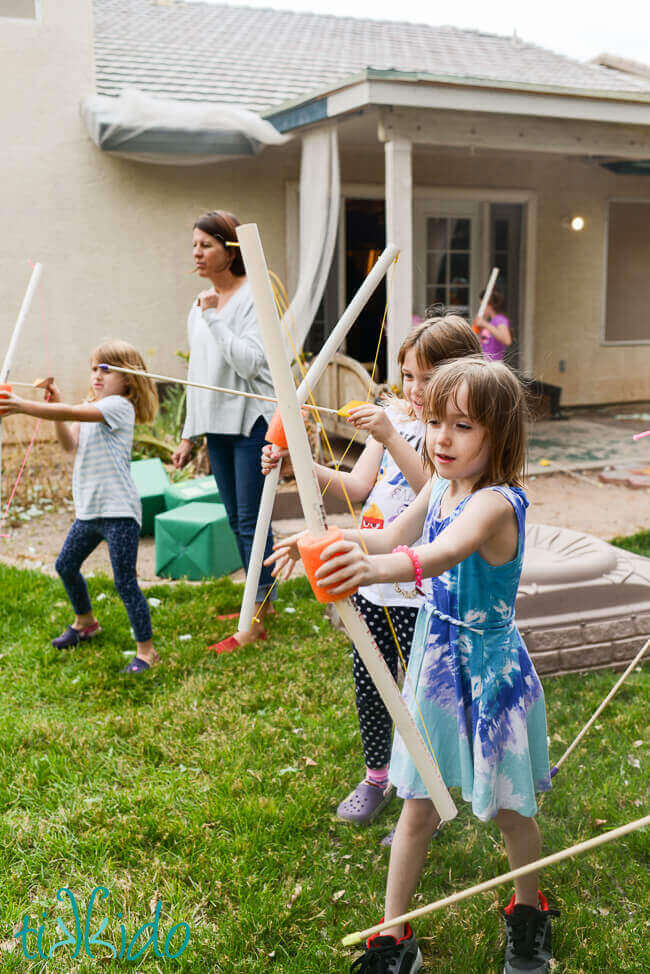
x=417 y=567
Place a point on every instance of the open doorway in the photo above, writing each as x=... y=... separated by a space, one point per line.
x=505 y=253
x=365 y=239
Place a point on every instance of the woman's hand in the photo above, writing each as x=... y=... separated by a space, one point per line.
x=374 y=420
x=183 y=454
x=345 y=566
x=271 y=456
x=285 y=555
x=208 y=299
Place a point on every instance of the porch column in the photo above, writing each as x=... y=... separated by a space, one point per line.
x=399 y=230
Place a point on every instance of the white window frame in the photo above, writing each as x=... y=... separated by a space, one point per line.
x=459 y=209
x=608 y=342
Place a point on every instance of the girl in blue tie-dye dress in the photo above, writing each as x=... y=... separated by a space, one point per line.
x=471 y=686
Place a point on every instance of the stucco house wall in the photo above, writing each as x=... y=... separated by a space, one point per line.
x=114 y=236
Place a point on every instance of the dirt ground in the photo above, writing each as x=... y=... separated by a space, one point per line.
x=41 y=512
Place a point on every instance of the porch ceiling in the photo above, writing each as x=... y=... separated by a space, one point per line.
x=453 y=133
x=523 y=133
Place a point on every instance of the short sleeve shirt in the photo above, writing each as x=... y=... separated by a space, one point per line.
x=102 y=485
x=492 y=348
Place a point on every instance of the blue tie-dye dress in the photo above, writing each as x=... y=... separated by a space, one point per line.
x=476 y=688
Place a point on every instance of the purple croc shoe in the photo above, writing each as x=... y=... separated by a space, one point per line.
x=364 y=803
x=72 y=636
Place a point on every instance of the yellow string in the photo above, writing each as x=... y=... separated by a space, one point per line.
x=282 y=293
x=372 y=379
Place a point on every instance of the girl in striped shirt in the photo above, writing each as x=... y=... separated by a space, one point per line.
x=107 y=504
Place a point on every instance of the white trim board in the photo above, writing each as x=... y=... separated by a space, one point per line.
x=618 y=108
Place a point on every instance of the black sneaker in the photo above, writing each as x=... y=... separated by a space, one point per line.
x=386 y=955
x=528 y=931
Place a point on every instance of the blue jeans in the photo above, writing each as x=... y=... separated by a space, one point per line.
x=122 y=535
x=235 y=461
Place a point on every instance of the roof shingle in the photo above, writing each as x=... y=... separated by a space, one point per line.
x=262 y=58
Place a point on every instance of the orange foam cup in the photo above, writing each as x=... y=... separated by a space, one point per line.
x=310 y=549
x=275 y=433
x=4 y=387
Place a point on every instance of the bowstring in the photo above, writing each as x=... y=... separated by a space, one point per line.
x=279 y=293
x=37 y=427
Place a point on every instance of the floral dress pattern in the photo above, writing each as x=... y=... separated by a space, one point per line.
x=476 y=689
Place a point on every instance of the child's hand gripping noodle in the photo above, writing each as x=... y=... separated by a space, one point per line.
x=313 y=552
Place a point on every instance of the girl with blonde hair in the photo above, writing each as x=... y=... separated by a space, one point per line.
x=106 y=500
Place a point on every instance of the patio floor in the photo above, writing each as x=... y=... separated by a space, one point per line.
x=590 y=439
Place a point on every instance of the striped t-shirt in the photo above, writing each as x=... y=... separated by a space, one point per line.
x=102 y=485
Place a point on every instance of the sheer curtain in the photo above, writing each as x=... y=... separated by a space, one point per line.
x=320 y=197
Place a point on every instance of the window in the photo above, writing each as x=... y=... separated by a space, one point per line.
x=448 y=263
x=627 y=272
x=20 y=9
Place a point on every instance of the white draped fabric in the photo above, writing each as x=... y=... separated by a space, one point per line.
x=165 y=131
x=320 y=197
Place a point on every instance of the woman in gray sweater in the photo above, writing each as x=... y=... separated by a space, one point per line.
x=226 y=350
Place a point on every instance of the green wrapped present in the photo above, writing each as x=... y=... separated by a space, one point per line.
x=195 y=541
x=202 y=489
x=152 y=480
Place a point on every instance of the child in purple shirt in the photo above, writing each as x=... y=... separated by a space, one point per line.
x=494 y=328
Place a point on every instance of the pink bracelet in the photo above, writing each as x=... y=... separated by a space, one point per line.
x=417 y=567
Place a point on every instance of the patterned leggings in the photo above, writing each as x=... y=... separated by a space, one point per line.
x=375 y=722
x=122 y=536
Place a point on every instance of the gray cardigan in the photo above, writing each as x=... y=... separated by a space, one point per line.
x=226 y=350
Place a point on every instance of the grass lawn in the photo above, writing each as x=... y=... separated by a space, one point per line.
x=638 y=543
x=210 y=786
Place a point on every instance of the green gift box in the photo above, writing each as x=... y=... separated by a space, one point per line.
x=195 y=541
x=152 y=480
x=202 y=489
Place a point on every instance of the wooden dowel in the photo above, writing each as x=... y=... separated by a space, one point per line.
x=201 y=385
x=574 y=850
x=599 y=710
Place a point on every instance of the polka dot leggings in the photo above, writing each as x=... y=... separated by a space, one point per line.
x=375 y=723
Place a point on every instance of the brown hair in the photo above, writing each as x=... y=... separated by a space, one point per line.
x=139 y=388
x=439 y=338
x=436 y=340
x=496 y=400
x=497 y=301
x=221 y=225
